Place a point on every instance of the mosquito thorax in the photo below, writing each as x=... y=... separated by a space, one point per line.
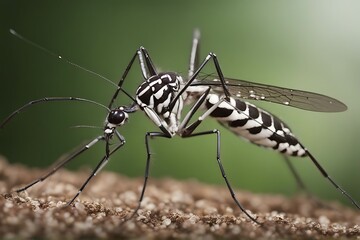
x=157 y=91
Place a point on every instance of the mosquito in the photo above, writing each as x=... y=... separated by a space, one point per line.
x=162 y=95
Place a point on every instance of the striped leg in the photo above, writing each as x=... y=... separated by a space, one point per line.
x=62 y=163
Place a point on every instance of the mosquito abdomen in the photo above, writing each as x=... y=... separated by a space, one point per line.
x=256 y=125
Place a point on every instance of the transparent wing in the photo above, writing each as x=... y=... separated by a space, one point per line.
x=285 y=96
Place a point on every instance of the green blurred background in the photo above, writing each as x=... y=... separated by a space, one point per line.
x=309 y=45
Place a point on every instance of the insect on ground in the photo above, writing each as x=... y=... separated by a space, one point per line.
x=162 y=95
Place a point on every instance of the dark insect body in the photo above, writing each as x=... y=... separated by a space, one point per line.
x=161 y=96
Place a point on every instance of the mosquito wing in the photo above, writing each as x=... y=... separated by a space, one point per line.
x=285 y=96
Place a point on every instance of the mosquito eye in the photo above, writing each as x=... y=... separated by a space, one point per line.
x=117 y=117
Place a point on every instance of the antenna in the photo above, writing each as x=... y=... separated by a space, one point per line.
x=28 y=41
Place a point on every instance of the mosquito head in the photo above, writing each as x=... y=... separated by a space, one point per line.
x=118 y=117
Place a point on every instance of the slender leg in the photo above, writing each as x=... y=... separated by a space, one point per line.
x=143 y=66
x=62 y=163
x=190 y=128
x=215 y=131
x=98 y=167
x=122 y=142
x=149 y=64
x=147 y=70
x=188 y=132
x=122 y=79
x=193 y=77
x=326 y=175
x=195 y=52
x=300 y=184
x=193 y=110
x=149 y=135
x=158 y=121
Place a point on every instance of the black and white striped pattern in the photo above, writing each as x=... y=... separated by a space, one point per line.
x=240 y=117
x=256 y=125
x=157 y=92
x=161 y=96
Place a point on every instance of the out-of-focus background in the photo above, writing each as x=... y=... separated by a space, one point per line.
x=309 y=45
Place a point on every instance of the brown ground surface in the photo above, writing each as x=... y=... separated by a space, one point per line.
x=170 y=209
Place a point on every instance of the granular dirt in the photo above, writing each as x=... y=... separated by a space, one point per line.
x=170 y=209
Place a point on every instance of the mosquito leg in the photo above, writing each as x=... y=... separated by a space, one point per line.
x=299 y=182
x=147 y=69
x=215 y=131
x=149 y=64
x=158 y=121
x=149 y=135
x=326 y=175
x=195 y=52
x=190 y=128
x=122 y=79
x=98 y=167
x=166 y=134
x=193 y=110
x=62 y=163
x=143 y=65
x=188 y=132
x=193 y=77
